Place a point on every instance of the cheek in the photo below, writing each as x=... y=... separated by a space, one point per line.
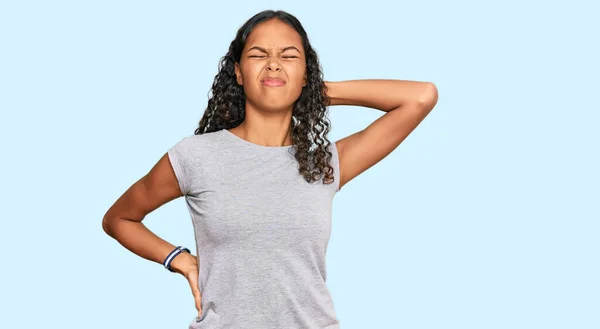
x=251 y=76
x=251 y=73
x=296 y=73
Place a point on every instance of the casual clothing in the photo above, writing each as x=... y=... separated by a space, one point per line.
x=261 y=233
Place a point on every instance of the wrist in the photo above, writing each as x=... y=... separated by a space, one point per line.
x=183 y=262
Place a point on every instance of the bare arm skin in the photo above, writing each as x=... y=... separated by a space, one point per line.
x=407 y=103
x=123 y=221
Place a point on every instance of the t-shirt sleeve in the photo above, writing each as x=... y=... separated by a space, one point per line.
x=182 y=158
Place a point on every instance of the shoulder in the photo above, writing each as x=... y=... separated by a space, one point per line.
x=202 y=141
x=190 y=148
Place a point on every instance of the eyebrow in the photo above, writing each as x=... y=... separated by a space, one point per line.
x=284 y=49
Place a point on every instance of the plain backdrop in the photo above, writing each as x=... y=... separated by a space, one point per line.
x=486 y=216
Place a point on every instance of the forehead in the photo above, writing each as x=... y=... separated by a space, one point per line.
x=273 y=34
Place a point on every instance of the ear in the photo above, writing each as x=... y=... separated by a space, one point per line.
x=238 y=74
x=304 y=81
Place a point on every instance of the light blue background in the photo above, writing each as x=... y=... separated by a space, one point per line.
x=486 y=216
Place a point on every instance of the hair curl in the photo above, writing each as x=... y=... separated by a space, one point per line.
x=310 y=124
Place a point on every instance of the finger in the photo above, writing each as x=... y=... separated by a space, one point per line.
x=193 y=281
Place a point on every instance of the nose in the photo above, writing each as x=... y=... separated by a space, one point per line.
x=273 y=65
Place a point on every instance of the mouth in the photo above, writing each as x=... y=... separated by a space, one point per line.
x=273 y=82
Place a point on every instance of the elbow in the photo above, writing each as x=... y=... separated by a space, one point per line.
x=429 y=97
x=106 y=225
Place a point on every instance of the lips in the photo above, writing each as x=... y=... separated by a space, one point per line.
x=273 y=82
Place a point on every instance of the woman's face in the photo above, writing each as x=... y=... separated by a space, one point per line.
x=272 y=68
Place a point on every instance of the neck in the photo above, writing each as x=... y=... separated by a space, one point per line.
x=266 y=128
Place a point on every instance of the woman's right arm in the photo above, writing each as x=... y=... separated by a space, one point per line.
x=123 y=220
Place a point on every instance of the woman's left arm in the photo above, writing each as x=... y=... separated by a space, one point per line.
x=407 y=103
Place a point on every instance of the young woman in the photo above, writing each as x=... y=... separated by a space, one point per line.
x=259 y=176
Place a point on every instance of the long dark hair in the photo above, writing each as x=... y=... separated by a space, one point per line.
x=310 y=124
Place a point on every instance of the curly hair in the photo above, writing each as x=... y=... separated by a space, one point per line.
x=310 y=124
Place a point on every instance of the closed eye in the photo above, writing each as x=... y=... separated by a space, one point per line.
x=257 y=56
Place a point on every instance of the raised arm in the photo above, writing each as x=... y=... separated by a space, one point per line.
x=407 y=103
